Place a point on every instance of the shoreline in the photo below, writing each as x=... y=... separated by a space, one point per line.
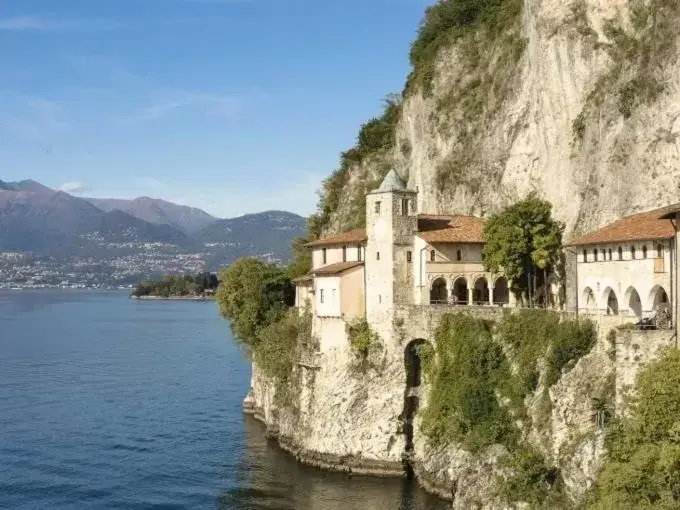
x=173 y=298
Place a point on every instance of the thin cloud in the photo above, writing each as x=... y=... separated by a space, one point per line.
x=75 y=188
x=26 y=23
x=214 y=105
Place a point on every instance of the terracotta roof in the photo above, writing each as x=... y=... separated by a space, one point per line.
x=335 y=269
x=646 y=226
x=303 y=279
x=451 y=229
x=352 y=237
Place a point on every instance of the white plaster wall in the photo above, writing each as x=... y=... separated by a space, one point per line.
x=379 y=271
x=449 y=252
x=622 y=276
x=328 y=296
x=331 y=332
x=354 y=253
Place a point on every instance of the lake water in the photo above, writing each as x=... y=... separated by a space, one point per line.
x=107 y=402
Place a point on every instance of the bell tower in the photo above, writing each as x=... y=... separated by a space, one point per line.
x=391 y=223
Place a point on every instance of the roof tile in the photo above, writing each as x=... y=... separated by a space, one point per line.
x=451 y=229
x=646 y=226
x=335 y=269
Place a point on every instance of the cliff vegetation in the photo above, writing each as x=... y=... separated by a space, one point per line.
x=643 y=462
x=482 y=380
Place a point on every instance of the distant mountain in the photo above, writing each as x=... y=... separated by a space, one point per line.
x=269 y=232
x=159 y=212
x=38 y=219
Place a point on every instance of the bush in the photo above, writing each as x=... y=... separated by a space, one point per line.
x=643 y=462
x=362 y=339
x=532 y=480
x=462 y=404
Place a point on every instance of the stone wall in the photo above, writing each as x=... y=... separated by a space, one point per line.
x=634 y=350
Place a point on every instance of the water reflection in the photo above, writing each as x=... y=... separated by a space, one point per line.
x=270 y=479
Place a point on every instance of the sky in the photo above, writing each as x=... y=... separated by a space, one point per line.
x=233 y=106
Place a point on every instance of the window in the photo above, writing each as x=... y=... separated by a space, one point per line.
x=459 y=255
x=659 y=251
x=585 y=256
x=632 y=252
x=323 y=256
x=644 y=252
x=404 y=206
x=433 y=256
x=344 y=253
x=359 y=253
x=620 y=250
x=333 y=296
x=377 y=255
x=377 y=208
x=321 y=296
x=595 y=255
x=609 y=254
x=409 y=257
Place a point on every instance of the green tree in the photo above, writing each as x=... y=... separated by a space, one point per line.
x=643 y=462
x=525 y=242
x=302 y=259
x=253 y=295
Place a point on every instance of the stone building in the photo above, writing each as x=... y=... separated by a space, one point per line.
x=401 y=258
x=627 y=267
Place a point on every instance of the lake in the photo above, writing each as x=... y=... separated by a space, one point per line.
x=106 y=402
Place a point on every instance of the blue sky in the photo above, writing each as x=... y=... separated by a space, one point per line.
x=234 y=106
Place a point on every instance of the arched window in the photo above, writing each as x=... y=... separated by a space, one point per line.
x=609 y=254
x=632 y=252
x=644 y=252
x=659 y=251
x=459 y=255
x=595 y=254
x=620 y=250
x=585 y=256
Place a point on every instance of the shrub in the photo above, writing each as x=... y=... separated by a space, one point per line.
x=362 y=339
x=462 y=404
x=643 y=462
x=532 y=480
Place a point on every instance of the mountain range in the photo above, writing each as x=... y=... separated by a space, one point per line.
x=38 y=219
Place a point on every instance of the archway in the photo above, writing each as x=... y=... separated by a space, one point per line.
x=633 y=301
x=609 y=297
x=481 y=293
x=588 y=300
x=501 y=291
x=414 y=374
x=438 y=293
x=657 y=296
x=460 y=291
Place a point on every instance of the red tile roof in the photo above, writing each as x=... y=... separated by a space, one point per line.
x=356 y=236
x=646 y=226
x=336 y=269
x=451 y=229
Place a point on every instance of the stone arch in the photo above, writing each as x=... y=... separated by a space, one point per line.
x=588 y=299
x=460 y=291
x=481 y=290
x=657 y=296
x=612 y=303
x=501 y=291
x=438 y=291
x=414 y=372
x=631 y=298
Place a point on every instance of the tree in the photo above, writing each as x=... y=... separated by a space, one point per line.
x=253 y=295
x=302 y=259
x=525 y=242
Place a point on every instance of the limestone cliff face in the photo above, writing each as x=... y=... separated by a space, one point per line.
x=346 y=418
x=576 y=100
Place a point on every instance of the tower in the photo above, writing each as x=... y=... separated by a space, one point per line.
x=391 y=222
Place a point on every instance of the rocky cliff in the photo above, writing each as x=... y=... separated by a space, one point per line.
x=578 y=100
